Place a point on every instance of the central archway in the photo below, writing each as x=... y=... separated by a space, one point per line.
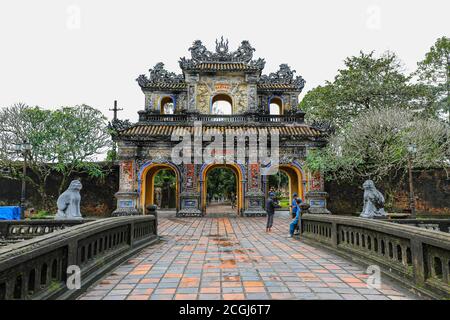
x=239 y=185
x=221 y=104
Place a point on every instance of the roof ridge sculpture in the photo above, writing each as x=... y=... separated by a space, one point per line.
x=203 y=59
x=285 y=75
x=200 y=54
x=159 y=75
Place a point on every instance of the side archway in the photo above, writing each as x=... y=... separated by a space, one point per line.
x=167 y=105
x=146 y=185
x=276 y=106
x=297 y=179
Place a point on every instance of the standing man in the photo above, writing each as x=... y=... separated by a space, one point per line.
x=271 y=205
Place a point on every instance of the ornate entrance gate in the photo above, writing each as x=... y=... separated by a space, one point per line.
x=222 y=94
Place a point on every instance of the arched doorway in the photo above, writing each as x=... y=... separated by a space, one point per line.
x=167 y=105
x=221 y=191
x=295 y=180
x=228 y=171
x=164 y=189
x=279 y=183
x=155 y=179
x=275 y=106
x=222 y=104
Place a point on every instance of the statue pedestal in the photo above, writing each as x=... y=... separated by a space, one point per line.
x=126 y=204
x=190 y=205
x=62 y=217
x=255 y=205
x=381 y=218
x=317 y=201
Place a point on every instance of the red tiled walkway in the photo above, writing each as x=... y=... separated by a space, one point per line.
x=233 y=258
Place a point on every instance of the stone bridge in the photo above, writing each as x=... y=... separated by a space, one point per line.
x=232 y=258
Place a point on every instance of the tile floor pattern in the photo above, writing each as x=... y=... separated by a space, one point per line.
x=233 y=258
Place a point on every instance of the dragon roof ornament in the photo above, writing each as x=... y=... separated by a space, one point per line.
x=199 y=54
x=159 y=75
x=283 y=76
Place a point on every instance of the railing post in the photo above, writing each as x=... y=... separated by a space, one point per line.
x=151 y=210
x=132 y=225
x=418 y=261
x=72 y=255
x=334 y=234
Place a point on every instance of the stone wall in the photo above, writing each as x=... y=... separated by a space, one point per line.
x=432 y=189
x=97 y=195
x=432 y=192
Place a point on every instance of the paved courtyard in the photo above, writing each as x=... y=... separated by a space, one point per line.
x=233 y=258
x=220 y=209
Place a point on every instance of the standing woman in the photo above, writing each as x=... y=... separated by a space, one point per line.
x=294 y=205
x=294 y=223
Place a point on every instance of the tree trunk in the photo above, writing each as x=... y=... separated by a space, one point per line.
x=62 y=184
x=46 y=205
x=448 y=87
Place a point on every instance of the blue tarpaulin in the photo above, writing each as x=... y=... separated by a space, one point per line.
x=9 y=213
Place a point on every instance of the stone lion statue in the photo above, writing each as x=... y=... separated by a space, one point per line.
x=373 y=201
x=69 y=202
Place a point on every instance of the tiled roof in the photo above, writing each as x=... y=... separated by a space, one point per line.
x=277 y=86
x=166 y=85
x=225 y=66
x=167 y=130
x=183 y=86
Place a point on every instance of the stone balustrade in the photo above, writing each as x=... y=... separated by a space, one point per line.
x=418 y=257
x=209 y=118
x=27 y=229
x=430 y=224
x=37 y=268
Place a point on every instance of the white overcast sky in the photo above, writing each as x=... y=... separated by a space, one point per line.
x=59 y=52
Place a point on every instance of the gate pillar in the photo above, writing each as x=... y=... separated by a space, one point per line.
x=190 y=195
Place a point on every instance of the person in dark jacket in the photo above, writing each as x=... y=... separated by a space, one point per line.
x=271 y=205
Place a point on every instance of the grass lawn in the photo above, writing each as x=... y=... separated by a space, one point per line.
x=284 y=203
